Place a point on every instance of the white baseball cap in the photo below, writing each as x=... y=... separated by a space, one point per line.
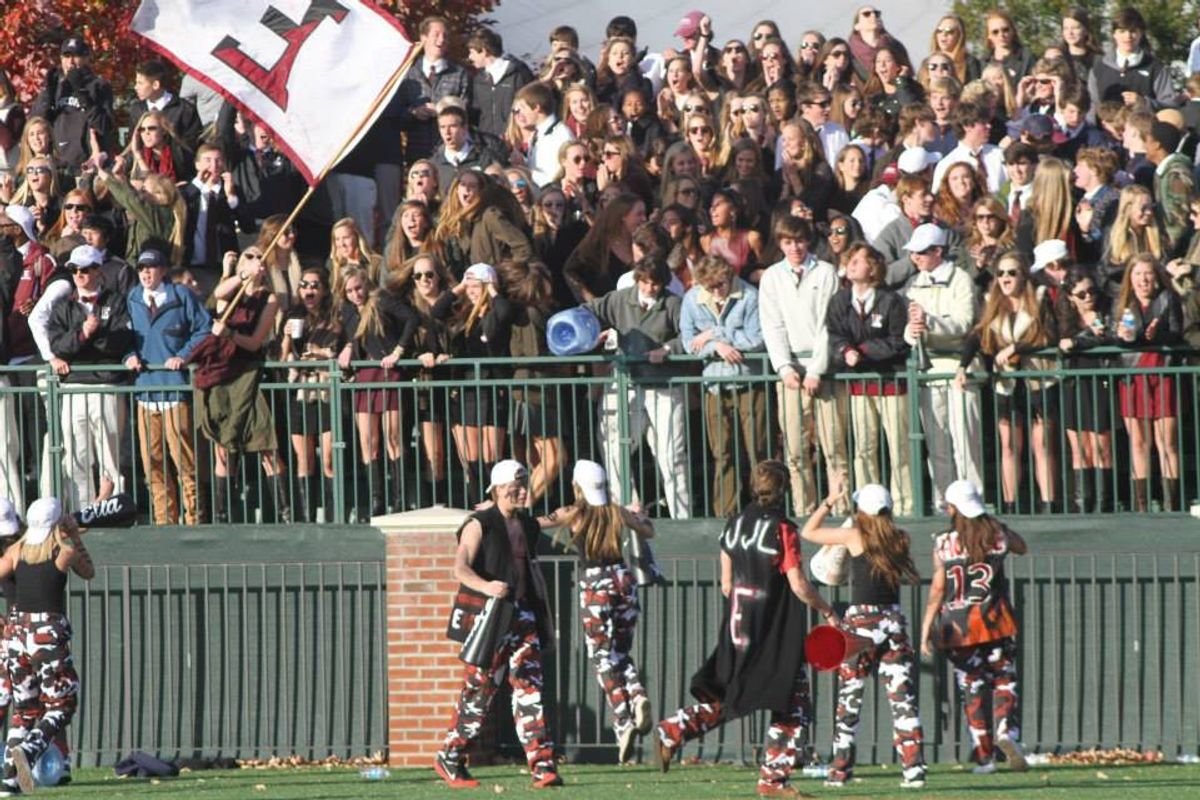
x=43 y=514
x=964 y=496
x=10 y=523
x=85 y=256
x=873 y=499
x=484 y=273
x=505 y=472
x=1048 y=252
x=23 y=217
x=592 y=481
x=926 y=236
x=915 y=160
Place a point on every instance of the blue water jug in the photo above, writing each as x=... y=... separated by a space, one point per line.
x=48 y=770
x=572 y=332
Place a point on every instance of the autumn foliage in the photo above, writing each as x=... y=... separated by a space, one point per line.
x=32 y=30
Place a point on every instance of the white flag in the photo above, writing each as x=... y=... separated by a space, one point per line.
x=310 y=70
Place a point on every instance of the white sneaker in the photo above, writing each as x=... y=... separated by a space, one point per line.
x=625 y=744
x=1016 y=756
x=986 y=768
x=832 y=784
x=916 y=783
x=643 y=720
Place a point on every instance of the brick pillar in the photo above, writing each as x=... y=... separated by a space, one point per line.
x=424 y=673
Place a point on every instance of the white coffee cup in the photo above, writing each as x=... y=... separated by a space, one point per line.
x=297 y=328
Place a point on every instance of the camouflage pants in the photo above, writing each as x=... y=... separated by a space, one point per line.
x=45 y=686
x=988 y=670
x=892 y=654
x=520 y=655
x=786 y=736
x=608 y=604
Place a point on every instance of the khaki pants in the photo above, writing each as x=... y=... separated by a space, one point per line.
x=735 y=422
x=799 y=415
x=890 y=411
x=953 y=435
x=91 y=433
x=163 y=433
x=658 y=414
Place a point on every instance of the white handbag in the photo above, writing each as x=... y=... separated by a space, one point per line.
x=830 y=564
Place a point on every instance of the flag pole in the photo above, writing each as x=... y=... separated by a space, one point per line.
x=384 y=93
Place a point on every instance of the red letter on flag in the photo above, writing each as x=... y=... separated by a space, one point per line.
x=273 y=82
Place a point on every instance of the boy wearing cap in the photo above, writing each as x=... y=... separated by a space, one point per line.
x=497 y=558
x=78 y=104
x=90 y=327
x=168 y=324
x=941 y=312
x=44 y=682
x=758 y=663
x=970 y=616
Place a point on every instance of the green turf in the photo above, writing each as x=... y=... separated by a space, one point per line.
x=584 y=782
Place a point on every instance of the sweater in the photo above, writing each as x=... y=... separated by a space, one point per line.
x=792 y=315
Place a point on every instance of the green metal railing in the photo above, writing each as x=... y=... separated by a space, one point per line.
x=433 y=465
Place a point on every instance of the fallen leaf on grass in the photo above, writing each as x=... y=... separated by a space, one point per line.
x=155 y=781
x=260 y=787
x=1102 y=776
x=498 y=789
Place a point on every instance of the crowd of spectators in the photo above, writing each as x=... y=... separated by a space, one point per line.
x=847 y=207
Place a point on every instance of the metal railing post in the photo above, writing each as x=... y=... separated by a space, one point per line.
x=916 y=436
x=624 y=445
x=54 y=430
x=338 y=444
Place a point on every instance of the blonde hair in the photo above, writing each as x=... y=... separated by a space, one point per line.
x=41 y=552
x=367 y=257
x=996 y=306
x=886 y=548
x=1050 y=202
x=163 y=192
x=1123 y=242
x=595 y=530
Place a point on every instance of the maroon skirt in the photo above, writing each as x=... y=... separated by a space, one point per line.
x=376 y=400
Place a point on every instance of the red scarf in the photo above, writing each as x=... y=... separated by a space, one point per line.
x=160 y=166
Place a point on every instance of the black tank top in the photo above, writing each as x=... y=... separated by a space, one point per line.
x=41 y=588
x=866 y=589
x=9 y=587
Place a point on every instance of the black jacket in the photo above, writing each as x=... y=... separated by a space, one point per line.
x=74 y=104
x=109 y=345
x=180 y=113
x=220 y=232
x=491 y=101
x=416 y=90
x=267 y=183
x=486 y=150
x=879 y=337
x=399 y=327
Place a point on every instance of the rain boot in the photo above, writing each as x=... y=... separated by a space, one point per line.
x=283 y=504
x=221 y=499
x=1140 y=503
x=1170 y=494
x=1103 y=481
x=1083 y=491
x=327 y=499
x=378 y=507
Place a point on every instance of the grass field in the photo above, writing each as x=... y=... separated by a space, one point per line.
x=587 y=782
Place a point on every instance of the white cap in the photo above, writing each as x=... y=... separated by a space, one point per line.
x=10 y=523
x=41 y=517
x=872 y=499
x=965 y=498
x=505 y=472
x=23 y=217
x=592 y=481
x=926 y=236
x=484 y=273
x=1047 y=252
x=916 y=159
x=85 y=256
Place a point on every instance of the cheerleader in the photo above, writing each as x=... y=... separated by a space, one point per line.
x=969 y=615
x=758 y=663
x=608 y=599
x=879 y=562
x=45 y=686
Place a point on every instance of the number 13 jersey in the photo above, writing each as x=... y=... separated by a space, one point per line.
x=976 y=608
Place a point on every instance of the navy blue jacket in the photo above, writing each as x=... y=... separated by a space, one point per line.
x=179 y=326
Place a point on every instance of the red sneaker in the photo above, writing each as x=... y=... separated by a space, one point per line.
x=455 y=775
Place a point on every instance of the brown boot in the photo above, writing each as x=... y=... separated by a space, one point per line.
x=1170 y=494
x=1139 y=495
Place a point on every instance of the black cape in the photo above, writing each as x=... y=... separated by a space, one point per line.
x=759 y=653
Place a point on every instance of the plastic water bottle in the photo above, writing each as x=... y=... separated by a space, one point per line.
x=375 y=773
x=1127 y=320
x=1188 y=758
x=572 y=332
x=48 y=770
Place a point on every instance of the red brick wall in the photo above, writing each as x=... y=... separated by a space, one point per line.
x=424 y=673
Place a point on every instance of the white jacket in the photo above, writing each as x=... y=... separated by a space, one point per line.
x=948 y=296
x=793 y=315
x=877 y=208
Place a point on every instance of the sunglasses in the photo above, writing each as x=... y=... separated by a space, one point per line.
x=758 y=37
x=424 y=275
x=309 y=284
x=870 y=12
x=985 y=217
x=252 y=256
x=940 y=67
x=839 y=53
x=612 y=153
x=1084 y=294
x=37 y=170
x=820 y=103
x=772 y=56
x=699 y=129
x=998 y=31
x=76 y=207
x=735 y=48
x=752 y=108
x=520 y=183
x=809 y=46
x=688 y=191
x=946 y=31
x=839 y=230
x=420 y=173
x=80 y=270
x=1008 y=273
x=576 y=160
x=1044 y=81
x=695 y=109
x=148 y=129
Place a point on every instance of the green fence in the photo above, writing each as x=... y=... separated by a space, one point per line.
x=550 y=411
x=204 y=643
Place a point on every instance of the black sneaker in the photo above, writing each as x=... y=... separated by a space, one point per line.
x=455 y=775
x=10 y=789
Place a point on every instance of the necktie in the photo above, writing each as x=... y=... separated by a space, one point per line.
x=983 y=173
x=862 y=309
x=1014 y=206
x=432 y=74
x=153 y=306
x=90 y=299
